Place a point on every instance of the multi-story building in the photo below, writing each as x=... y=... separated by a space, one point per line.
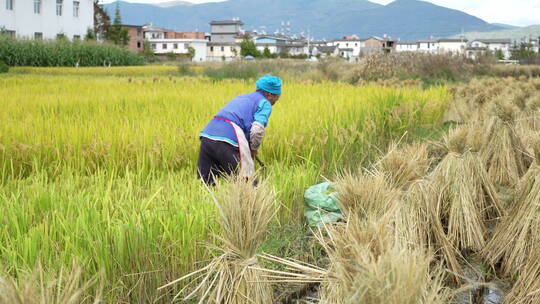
x=136 y=37
x=224 y=40
x=47 y=19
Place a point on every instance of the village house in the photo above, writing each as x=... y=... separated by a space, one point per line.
x=376 y=44
x=323 y=50
x=281 y=44
x=406 y=46
x=163 y=42
x=47 y=19
x=225 y=38
x=481 y=46
x=349 y=47
x=452 y=46
x=428 y=46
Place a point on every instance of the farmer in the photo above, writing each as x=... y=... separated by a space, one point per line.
x=230 y=141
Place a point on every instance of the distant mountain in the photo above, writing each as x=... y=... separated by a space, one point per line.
x=506 y=26
x=532 y=31
x=402 y=19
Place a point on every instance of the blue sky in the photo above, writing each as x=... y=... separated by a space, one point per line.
x=516 y=12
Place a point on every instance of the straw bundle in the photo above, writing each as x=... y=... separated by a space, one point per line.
x=404 y=166
x=233 y=277
x=464 y=195
x=517 y=237
x=412 y=219
x=369 y=266
x=366 y=194
x=503 y=153
x=526 y=290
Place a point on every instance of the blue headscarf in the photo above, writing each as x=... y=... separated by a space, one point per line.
x=269 y=83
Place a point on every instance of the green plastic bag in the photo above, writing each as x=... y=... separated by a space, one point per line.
x=321 y=205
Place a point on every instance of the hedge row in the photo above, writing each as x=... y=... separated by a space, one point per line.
x=44 y=53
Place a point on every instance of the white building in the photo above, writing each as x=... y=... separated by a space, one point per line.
x=428 y=46
x=47 y=19
x=405 y=46
x=279 y=44
x=162 y=45
x=493 y=45
x=452 y=46
x=349 y=47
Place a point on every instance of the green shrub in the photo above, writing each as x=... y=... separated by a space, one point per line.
x=184 y=69
x=64 y=53
x=4 y=68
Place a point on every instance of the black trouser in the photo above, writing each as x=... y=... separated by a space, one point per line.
x=217 y=158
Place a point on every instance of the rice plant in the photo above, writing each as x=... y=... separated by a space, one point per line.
x=98 y=165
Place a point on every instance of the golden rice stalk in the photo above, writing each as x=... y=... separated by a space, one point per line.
x=504 y=155
x=517 y=237
x=365 y=194
x=67 y=287
x=234 y=276
x=465 y=197
x=404 y=166
x=368 y=266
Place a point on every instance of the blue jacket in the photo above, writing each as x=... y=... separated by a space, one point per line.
x=243 y=110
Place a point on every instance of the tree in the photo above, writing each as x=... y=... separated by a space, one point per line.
x=284 y=53
x=191 y=52
x=267 y=54
x=248 y=48
x=147 y=49
x=523 y=51
x=102 y=22
x=499 y=54
x=117 y=33
x=90 y=35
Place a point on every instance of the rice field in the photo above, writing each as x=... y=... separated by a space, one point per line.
x=97 y=169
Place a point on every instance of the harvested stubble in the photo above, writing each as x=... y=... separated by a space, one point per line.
x=406 y=165
x=464 y=195
x=365 y=194
x=503 y=152
x=517 y=237
x=234 y=276
x=369 y=266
